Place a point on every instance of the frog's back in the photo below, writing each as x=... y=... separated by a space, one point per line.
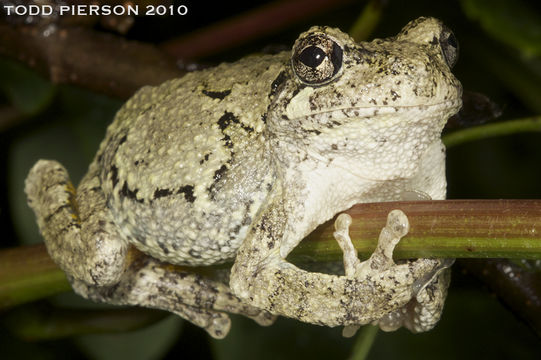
x=183 y=166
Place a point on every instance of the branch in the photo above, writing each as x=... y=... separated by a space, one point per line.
x=101 y=62
x=27 y=273
x=446 y=228
x=450 y=228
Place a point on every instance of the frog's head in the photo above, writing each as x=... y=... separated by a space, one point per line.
x=368 y=101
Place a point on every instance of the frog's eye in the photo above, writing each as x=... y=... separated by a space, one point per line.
x=449 y=46
x=316 y=59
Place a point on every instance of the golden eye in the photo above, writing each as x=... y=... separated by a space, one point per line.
x=317 y=59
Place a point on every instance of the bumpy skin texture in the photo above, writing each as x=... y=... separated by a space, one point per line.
x=241 y=162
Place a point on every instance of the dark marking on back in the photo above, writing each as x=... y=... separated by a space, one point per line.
x=218 y=174
x=122 y=140
x=229 y=118
x=205 y=158
x=115 y=143
x=114 y=175
x=228 y=142
x=187 y=190
x=217 y=94
x=161 y=193
x=130 y=194
x=226 y=120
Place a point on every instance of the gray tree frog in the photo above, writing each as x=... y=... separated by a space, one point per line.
x=241 y=162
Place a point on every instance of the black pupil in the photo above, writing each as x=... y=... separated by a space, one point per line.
x=312 y=56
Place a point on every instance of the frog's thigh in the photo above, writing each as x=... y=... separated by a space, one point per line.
x=149 y=283
x=77 y=232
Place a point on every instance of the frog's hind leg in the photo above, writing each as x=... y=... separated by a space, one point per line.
x=202 y=301
x=85 y=243
x=73 y=225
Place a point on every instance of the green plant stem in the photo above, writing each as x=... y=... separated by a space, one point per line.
x=363 y=342
x=447 y=229
x=27 y=273
x=528 y=124
x=367 y=21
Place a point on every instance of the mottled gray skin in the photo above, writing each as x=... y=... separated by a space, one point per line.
x=241 y=162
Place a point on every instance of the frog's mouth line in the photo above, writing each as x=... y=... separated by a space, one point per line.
x=377 y=110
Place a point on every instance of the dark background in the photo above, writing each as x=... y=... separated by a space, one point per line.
x=66 y=122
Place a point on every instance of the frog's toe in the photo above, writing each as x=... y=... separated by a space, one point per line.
x=393 y=320
x=350 y=330
x=341 y=235
x=219 y=326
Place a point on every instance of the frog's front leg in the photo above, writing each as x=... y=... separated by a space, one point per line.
x=85 y=243
x=367 y=293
